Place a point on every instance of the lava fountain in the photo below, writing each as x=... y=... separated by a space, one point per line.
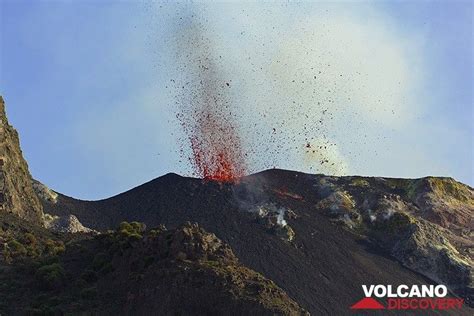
x=206 y=113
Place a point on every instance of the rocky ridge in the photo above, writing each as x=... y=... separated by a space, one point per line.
x=184 y=271
x=65 y=224
x=426 y=224
x=17 y=195
x=44 y=193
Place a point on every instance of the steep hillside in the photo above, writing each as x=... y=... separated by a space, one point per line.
x=314 y=235
x=16 y=190
x=185 y=271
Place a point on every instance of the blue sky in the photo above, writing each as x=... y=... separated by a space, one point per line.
x=86 y=83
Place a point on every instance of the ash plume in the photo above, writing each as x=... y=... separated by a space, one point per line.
x=259 y=87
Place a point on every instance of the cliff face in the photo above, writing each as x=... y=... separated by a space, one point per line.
x=16 y=190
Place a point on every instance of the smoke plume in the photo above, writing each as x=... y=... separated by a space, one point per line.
x=259 y=87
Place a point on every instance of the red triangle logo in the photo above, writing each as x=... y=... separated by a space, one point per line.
x=367 y=303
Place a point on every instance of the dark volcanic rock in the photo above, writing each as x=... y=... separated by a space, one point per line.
x=183 y=271
x=16 y=191
x=323 y=265
x=194 y=273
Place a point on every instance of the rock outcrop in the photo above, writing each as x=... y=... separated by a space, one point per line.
x=131 y=271
x=65 y=224
x=44 y=193
x=426 y=224
x=16 y=190
x=426 y=249
x=273 y=219
x=194 y=272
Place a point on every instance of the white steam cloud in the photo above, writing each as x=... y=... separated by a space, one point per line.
x=313 y=91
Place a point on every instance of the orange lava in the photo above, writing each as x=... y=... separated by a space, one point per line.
x=216 y=150
x=284 y=193
x=207 y=113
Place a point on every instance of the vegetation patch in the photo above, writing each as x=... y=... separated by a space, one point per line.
x=359 y=182
x=89 y=293
x=51 y=276
x=398 y=222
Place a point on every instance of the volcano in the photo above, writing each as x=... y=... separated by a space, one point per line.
x=276 y=242
x=329 y=246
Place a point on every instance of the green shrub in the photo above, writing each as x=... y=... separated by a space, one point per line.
x=398 y=222
x=16 y=248
x=81 y=283
x=100 y=260
x=6 y=253
x=47 y=260
x=133 y=227
x=51 y=276
x=131 y=231
x=102 y=264
x=45 y=305
x=89 y=276
x=33 y=251
x=31 y=239
x=359 y=182
x=54 y=247
x=89 y=293
x=148 y=261
x=135 y=237
x=138 y=227
x=155 y=232
x=32 y=245
x=125 y=233
x=106 y=268
x=42 y=311
x=125 y=226
x=114 y=248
